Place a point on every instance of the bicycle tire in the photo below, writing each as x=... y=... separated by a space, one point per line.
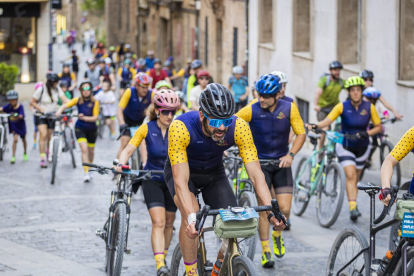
x=135 y=160
x=340 y=190
x=2 y=147
x=242 y=265
x=118 y=238
x=410 y=264
x=177 y=263
x=54 y=159
x=394 y=236
x=299 y=210
x=248 y=246
x=339 y=241
x=69 y=144
x=397 y=168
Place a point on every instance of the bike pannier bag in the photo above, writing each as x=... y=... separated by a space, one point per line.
x=235 y=228
x=403 y=206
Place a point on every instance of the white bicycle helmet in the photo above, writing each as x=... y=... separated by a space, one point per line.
x=237 y=70
x=282 y=76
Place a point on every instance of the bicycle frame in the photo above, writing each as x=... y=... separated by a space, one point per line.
x=56 y=135
x=3 y=128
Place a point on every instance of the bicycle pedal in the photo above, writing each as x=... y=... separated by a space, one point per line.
x=101 y=233
x=128 y=251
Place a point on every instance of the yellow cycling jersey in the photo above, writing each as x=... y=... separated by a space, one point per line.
x=404 y=146
x=139 y=135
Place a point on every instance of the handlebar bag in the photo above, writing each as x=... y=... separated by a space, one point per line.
x=403 y=206
x=235 y=228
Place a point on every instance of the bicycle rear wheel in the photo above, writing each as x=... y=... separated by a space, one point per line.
x=349 y=243
x=69 y=144
x=248 y=246
x=115 y=254
x=243 y=266
x=410 y=264
x=301 y=187
x=331 y=195
x=385 y=149
x=54 y=159
x=177 y=263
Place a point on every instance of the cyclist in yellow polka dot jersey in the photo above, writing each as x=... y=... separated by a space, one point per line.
x=197 y=141
x=400 y=151
x=270 y=121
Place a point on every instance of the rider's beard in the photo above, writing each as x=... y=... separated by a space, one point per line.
x=217 y=139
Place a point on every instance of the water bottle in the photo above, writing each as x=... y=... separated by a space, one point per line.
x=314 y=171
x=384 y=263
x=216 y=268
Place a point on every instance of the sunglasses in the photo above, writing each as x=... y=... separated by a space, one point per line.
x=266 y=96
x=369 y=79
x=86 y=88
x=216 y=123
x=167 y=112
x=204 y=78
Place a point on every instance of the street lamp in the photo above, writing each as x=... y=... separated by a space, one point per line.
x=25 y=75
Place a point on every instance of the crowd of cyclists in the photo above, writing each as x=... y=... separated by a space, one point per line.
x=185 y=131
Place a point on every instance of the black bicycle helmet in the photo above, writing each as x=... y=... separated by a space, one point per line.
x=52 y=77
x=12 y=95
x=366 y=74
x=335 y=64
x=64 y=83
x=217 y=101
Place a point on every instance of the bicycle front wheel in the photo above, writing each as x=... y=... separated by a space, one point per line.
x=69 y=144
x=243 y=266
x=248 y=246
x=386 y=148
x=349 y=243
x=331 y=195
x=301 y=187
x=115 y=254
x=410 y=264
x=54 y=159
x=177 y=263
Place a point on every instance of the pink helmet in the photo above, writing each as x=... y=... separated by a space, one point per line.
x=166 y=98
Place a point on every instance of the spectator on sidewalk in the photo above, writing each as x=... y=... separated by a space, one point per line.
x=239 y=85
x=150 y=59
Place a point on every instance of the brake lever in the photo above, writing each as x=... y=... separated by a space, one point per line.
x=278 y=214
x=394 y=192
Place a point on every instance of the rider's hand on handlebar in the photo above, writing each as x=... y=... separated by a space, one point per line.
x=317 y=108
x=398 y=116
x=286 y=161
x=57 y=114
x=385 y=196
x=277 y=226
x=122 y=127
x=118 y=168
x=191 y=231
x=311 y=126
x=362 y=135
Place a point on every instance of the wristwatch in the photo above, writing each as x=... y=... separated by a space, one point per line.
x=292 y=154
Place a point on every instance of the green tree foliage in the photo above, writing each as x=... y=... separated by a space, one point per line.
x=93 y=5
x=8 y=76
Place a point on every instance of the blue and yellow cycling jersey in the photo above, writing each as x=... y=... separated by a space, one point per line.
x=126 y=73
x=404 y=147
x=87 y=108
x=133 y=106
x=188 y=143
x=157 y=146
x=355 y=120
x=271 y=129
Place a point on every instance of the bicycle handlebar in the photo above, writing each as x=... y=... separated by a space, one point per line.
x=385 y=211
x=102 y=170
x=207 y=211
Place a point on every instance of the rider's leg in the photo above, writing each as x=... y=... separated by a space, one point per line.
x=351 y=189
x=83 y=144
x=263 y=222
x=157 y=235
x=168 y=230
x=15 y=141
x=91 y=152
x=124 y=142
x=24 y=144
x=42 y=140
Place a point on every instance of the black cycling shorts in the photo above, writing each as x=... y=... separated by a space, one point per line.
x=125 y=84
x=213 y=183
x=89 y=134
x=156 y=194
x=43 y=121
x=280 y=178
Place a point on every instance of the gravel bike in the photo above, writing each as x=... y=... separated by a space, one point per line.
x=234 y=262
x=116 y=227
x=3 y=134
x=351 y=254
x=62 y=140
x=325 y=179
x=382 y=142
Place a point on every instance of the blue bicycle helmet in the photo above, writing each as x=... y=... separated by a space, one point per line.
x=371 y=93
x=196 y=64
x=268 y=84
x=12 y=95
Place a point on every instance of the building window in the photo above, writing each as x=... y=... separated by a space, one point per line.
x=18 y=45
x=127 y=15
x=235 y=42
x=266 y=21
x=406 y=51
x=303 y=107
x=206 y=43
x=349 y=31
x=301 y=26
x=120 y=14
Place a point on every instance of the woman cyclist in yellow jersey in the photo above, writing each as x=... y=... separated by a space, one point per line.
x=160 y=204
x=356 y=115
x=85 y=127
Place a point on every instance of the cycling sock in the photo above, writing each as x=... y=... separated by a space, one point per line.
x=277 y=234
x=191 y=268
x=352 y=204
x=43 y=156
x=265 y=245
x=86 y=168
x=159 y=259
x=165 y=252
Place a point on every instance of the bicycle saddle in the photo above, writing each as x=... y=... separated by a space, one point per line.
x=314 y=135
x=367 y=187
